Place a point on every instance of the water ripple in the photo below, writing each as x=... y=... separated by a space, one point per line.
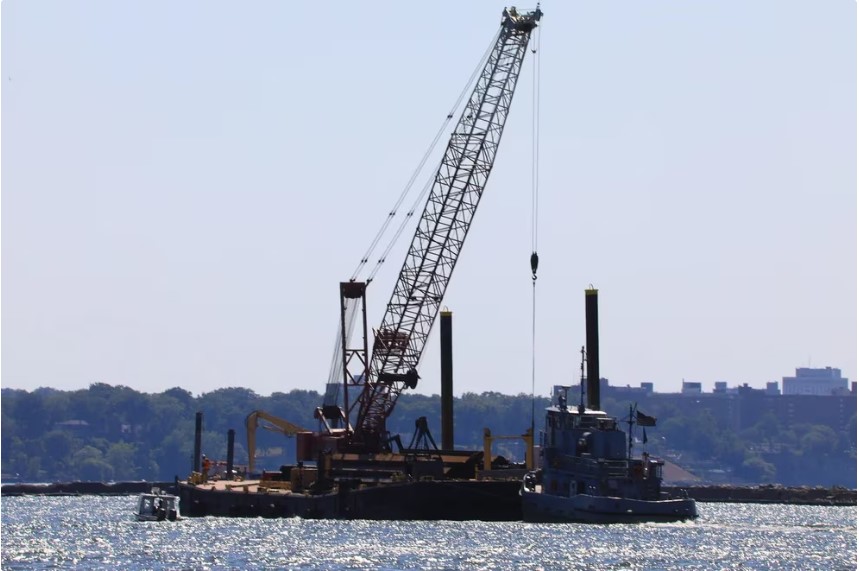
x=100 y=533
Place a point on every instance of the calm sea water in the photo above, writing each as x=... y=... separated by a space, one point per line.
x=92 y=532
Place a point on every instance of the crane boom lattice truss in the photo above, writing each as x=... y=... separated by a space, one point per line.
x=442 y=229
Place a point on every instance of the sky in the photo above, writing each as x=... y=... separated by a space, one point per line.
x=185 y=184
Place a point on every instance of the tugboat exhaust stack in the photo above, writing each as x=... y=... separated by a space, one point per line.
x=593 y=348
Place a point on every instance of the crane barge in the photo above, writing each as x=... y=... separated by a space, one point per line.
x=358 y=473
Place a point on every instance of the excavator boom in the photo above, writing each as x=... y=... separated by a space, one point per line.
x=271 y=422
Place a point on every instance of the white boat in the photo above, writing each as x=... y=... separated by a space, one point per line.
x=157 y=506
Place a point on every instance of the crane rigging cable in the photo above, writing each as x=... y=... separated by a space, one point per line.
x=332 y=390
x=418 y=201
x=392 y=213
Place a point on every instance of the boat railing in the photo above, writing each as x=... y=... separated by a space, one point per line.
x=615 y=469
x=596 y=469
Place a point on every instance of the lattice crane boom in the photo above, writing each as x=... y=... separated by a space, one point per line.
x=457 y=188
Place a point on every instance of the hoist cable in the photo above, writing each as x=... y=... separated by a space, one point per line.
x=537 y=147
x=533 y=152
x=535 y=165
x=535 y=144
x=392 y=213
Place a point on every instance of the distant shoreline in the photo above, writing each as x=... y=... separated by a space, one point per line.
x=770 y=494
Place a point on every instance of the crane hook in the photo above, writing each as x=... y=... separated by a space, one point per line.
x=535 y=259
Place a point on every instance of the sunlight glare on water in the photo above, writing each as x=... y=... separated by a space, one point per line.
x=93 y=532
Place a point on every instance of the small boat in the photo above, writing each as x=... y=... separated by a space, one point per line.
x=157 y=506
x=587 y=472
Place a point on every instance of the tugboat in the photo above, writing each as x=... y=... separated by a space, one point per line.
x=587 y=472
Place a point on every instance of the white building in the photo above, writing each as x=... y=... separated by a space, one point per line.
x=814 y=382
x=690 y=388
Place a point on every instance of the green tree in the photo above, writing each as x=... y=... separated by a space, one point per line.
x=121 y=456
x=30 y=412
x=820 y=441
x=729 y=449
x=758 y=469
x=176 y=452
x=89 y=465
x=58 y=446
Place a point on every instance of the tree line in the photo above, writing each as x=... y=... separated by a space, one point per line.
x=106 y=433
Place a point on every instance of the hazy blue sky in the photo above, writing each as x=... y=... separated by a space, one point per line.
x=184 y=184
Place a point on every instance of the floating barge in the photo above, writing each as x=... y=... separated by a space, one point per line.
x=456 y=500
x=414 y=484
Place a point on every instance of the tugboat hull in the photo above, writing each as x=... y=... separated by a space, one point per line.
x=585 y=508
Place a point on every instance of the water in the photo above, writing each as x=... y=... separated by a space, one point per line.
x=91 y=532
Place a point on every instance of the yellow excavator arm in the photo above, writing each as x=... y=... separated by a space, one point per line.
x=272 y=423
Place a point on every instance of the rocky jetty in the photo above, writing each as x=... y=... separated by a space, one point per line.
x=83 y=488
x=768 y=494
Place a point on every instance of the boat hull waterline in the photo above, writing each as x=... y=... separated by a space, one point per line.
x=586 y=508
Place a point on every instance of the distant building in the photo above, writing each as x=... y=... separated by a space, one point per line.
x=691 y=388
x=627 y=392
x=722 y=388
x=820 y=382
x=743 y=406
x=747 y=390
